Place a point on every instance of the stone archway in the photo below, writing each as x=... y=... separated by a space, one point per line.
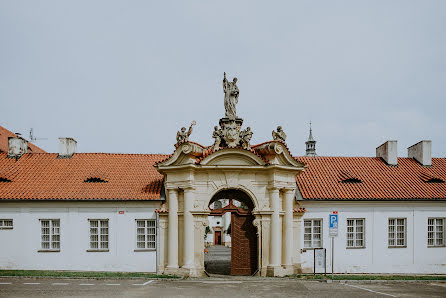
x=244 y=242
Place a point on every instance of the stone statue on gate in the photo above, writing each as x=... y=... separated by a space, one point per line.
x=279 y=135
x=246 y=136
x=231 y=97
x=217 y=135
x=183 y=135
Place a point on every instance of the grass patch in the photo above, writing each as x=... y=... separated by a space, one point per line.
x=367 y=277
x=82 y=274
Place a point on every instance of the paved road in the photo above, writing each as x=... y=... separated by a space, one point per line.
x=246 y=287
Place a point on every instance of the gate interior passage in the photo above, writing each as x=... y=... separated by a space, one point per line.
x=244 y=253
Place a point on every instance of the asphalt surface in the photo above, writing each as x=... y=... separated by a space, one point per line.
x=213 y=287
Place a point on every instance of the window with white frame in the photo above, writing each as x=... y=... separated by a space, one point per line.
x=98 y=234
x=436 y=232
x=397 y=232
x=355 y=232
x=6 y=224
x=145 y=234
x=312 y=233
x=50 y=234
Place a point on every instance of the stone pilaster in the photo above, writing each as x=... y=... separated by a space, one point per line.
x=188 y=229
x=276 y=234
x=288 y=230
x=172 y=246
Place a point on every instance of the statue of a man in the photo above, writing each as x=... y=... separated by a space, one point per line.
x=246 y=136
x=231 y=96
x=182 y=135
x=279 y=135
x=217 y=134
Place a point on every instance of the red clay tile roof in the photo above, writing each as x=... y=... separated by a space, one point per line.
x=46 y=177
x=407 y=181
x=5 y=134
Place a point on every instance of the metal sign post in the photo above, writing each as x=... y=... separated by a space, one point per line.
x=332 y=232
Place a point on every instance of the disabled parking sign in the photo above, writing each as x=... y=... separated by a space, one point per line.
x=333 y=224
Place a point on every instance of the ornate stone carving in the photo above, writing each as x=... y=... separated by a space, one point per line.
x=183 y=135
x=231 y=97
x=279 y=135
x=256 y=223
x=231 y=132
x=217 y=135
x=246 y=136
x=163 y=225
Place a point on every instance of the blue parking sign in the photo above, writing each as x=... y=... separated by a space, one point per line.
x=333 y=225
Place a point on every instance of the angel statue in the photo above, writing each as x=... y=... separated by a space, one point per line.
x=231 y=97
x=183 y=136
x=279 y=135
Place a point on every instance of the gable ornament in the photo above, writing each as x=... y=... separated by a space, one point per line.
x=183 y=135
x=279 y=135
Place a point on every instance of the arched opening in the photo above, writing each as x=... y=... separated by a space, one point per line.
x=231 y=238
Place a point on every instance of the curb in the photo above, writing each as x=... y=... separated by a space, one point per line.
x=92 y=278
x=371 y=281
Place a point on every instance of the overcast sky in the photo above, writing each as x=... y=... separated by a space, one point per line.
x=124 y=76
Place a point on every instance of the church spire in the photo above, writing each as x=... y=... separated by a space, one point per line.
x=310 y=144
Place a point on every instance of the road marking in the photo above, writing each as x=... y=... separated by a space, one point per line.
x=5 y=283
x=86 y=284
x=59 y=283
x=31 y=283
x=112 y=284
x=221 y=282
x=146 y=283
x=365 y=289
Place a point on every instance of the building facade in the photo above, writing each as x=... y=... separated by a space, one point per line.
x=150 y=213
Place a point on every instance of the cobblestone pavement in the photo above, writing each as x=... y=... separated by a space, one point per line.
x=213 y=287
x=218 y=260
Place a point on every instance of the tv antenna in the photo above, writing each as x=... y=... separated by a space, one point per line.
x=33 y=138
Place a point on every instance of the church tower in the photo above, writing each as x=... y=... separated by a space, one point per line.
x=310 y=144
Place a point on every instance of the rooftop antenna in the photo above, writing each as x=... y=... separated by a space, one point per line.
x=33 y=138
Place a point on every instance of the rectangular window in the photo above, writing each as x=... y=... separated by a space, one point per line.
x=435 y=232
x=312 y=233
x=397 y=232
x=5 y=224
x=355 y=233
x=99 y=234
x=145 y=234
x=50 y=237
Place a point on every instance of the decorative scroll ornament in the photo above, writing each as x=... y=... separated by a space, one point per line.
x=279 y=135
x=183 y=135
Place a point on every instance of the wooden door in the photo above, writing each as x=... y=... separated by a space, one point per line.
x=244 y=245
x=217 y=238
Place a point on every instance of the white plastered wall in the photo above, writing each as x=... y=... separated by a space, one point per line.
x=20 y=245
x=377 y=257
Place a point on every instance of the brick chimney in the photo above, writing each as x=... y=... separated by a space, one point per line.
x=17 y=146
x=389 y=152
x=67 y=147
x=422 y=152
